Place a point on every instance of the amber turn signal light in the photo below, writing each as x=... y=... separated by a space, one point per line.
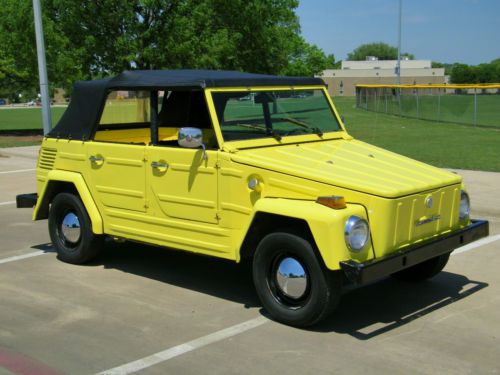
x=335 y=201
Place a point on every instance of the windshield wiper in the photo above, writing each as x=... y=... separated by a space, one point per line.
x=276 y=135
x=317 y=131
x=314 y=130
x=272 y=133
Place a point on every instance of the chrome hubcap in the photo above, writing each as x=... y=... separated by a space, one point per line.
x=70 y=228
x=291 y=278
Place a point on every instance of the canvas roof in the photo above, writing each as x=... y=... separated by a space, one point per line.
x=80 y=118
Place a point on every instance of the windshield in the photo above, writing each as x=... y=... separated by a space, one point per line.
x=258 y=114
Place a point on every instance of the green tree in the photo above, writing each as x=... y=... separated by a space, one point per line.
x=381 y=50
x=109 y=36
x=17 y=41
x=93 y=39
x=462 y=73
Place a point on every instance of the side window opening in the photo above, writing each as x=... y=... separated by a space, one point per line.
x=126 y=118
x=129 y=117
x=180 y=109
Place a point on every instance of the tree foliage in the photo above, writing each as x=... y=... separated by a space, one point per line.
x=482 y=73
x=381 y=50
x=91 y=39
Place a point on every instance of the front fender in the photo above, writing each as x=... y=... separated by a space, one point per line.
x=77 y=180
x=326 y=225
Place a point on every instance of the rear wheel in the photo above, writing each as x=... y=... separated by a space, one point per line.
x=424 y=270
x=292 y=284
x=70 y=230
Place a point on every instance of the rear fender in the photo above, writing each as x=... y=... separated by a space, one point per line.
x=76 y=179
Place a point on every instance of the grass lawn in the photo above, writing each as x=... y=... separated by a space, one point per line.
x=440 y=144
x=446 y=108
x=26 y=118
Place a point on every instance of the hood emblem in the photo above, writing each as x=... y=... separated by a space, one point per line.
x=429 y=202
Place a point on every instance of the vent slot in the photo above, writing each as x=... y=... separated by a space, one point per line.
x=47 y=158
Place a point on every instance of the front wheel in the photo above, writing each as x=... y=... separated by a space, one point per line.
x=292 y=284
x=424 y=270
x=70 y=230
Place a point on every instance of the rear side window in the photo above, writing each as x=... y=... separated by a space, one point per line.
x=126 y=118
x=125 y=108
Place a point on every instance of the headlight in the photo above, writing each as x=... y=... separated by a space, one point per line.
x=464 y=205
x=357 y=233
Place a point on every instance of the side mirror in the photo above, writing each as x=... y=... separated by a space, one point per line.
x=191 y=138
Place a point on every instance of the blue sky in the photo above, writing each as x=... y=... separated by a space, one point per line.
x=466 y=31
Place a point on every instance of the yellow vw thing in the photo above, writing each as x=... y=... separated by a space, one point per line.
x=236 y=165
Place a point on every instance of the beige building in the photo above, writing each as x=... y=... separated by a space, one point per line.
x=372 y=71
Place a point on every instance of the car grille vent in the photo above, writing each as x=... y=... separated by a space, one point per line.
x=47 y=158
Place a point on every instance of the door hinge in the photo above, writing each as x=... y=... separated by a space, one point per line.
x=217 y=165
x=218 y=216
x=146 y=203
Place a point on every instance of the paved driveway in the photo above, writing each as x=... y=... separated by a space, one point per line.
x=163 y=312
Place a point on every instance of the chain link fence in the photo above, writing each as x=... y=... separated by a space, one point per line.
x=475 y=105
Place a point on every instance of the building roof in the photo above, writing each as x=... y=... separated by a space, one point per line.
x=386 y=64
x=81 y=117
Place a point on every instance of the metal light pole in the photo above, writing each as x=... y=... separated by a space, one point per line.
x=398 y=65
x=42 y=67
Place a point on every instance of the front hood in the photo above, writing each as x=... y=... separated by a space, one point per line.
x=350 y=164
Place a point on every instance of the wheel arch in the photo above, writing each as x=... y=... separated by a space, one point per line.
x=323 y=226
x=265 y=223
x=67 y=182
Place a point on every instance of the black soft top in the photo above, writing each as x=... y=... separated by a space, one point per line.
x=80 y=118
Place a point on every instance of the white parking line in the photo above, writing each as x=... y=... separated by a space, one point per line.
x=25 y=256
x=19 y=171
x=476 y=244
x=7 y=203
x=178 y=350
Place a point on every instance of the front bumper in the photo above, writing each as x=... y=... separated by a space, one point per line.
x=362 y=273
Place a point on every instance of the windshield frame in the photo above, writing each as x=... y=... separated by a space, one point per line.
x=270 y=141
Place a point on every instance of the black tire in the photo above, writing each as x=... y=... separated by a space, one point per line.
x=322 y=288
x=77 y=250
x=424 y=270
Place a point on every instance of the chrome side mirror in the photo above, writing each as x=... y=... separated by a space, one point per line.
x=191 y=138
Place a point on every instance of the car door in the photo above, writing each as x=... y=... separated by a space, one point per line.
x=117 y=175
x=183 y=183
x=116 y=155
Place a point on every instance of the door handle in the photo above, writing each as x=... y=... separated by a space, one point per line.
x=156 y=164
x=96 y=159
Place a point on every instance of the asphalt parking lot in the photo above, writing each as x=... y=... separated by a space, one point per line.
x=163 y=312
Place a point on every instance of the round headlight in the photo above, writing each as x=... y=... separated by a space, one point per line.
x=357 y=233
x=464 y=205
